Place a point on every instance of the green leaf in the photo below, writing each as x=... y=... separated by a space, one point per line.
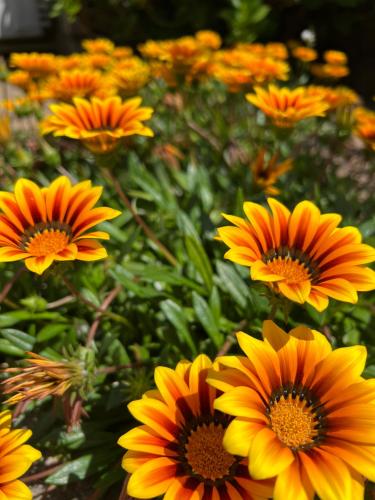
x=50 y=331
x=72 y=471
x=7 y=347
x=206 y=318
x=14 y=317
x=200 y=260
x=233 y=283
x=175 y=314
x=19 y=339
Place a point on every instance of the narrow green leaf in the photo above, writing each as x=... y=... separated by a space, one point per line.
x=207 y=320
x=233 y=283
x=18 y=338
x=200 y=260
x=175 y=314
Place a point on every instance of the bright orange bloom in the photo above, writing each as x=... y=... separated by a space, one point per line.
x=302 y=255
x=5 y=128
x=36 y=64
x=335 y=57
x=329 y=71
x=305 y=54
x=336 y=97
x=365 y=126
x=78 y=83
x=43 y=225
x=97 y=61
x=276 y=50
x=265 y=173
x=128 y=81
x=303 y=413
x=122 y=52
x=178 y=450
x=98 y=45
x=286 y=107
x=15 y=459
x=20 y=79
x=99 y=123
x=209 y=39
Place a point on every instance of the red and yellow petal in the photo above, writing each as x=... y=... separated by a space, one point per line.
x=89 y=250
x=15 y=490
x=153 y=478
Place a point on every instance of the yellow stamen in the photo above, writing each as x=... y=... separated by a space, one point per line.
x=292 y=270
x=293 y=423
x=205 y=453
x=47 y=242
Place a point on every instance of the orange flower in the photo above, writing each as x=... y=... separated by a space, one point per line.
x=265 y=174
x=303 y=413
x=50 y=224
x=329 y=70
x=286 y=107
x=365 y=126
x=97 y=61
x=20 y=79
x=16 y=458
x=128 y=81
x=178 y=451
x=276 y=50
x=302 y=255
x=336 y=97
x=5 y=128
x=98 y=45
x=78 y=83
x=99 y=123
x=36 y=64
x=209 y=39
x=122 y=52
x=305 y=54
x=335 y=57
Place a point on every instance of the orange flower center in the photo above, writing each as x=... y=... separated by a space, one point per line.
x=292 y=270
x=205 y=453
x=47 y=242
x=294 y=423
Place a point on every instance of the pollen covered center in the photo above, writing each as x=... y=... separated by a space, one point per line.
x=47 y=242
x=292 y=270
x=293 y=422
x=205 y=453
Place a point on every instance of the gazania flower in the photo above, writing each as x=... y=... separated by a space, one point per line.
x=20 y=79
x=286 y=107
x=178 y=451
x=36 y=64
x=276 y=50
x=50 y=224
x=336 y=97
x=99 y=123
x=78 y=83
x=329 y=71
x=16 y=458
x=303 y=413
x=41 y=378
x=265 y=173
x=301 y=254
x=305 y=54
x=209 y=39
x=129 y=81
x=98 y=45
x=335 y=57
x=97 y=61
x=122 y=52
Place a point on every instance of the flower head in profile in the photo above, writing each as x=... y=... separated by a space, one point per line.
x=266 y=172
x=329 y=71
x=303 y=413
x=38 y=65
x=20 y=78
x=304 y=54
x=78 y=83
x=286 y=107
x=16 y=458
x=177 y=452
x=302 y=254
x=43 y=225
x=41 y=377
x=365 y=126
x=98 y=45
x=209 y=39
x=335 y=57
x=99 y=123
x=336 y=97
x=128 y=81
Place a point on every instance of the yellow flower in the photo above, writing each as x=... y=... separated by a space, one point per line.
x=98 y=45
x=303 y=255
x=78 y=83
x=178 y=451
x=305 y=54
x=209 y=39
x=41 y=378
x=16 y=458
x=36 y=64
x=99 y=123
x=335 y=57
x=20 y=79
x=128 y=81
x=286 y=107
x=50 y=224
x=97 y=61
x=266 y=173
x=122 y=52
x=303 y=413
